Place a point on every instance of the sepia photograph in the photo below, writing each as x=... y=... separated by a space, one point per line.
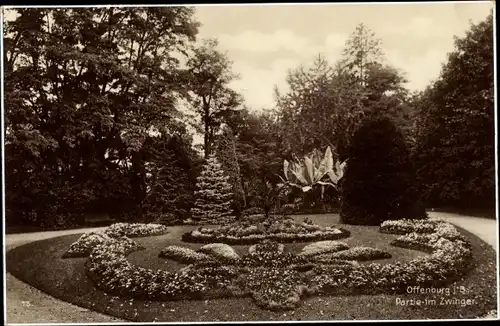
x=249 y=163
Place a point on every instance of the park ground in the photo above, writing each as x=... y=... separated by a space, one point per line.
x=26 y=304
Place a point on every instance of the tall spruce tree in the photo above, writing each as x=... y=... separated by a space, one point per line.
x=228 y=157
x=213 y=195
x=380 y=180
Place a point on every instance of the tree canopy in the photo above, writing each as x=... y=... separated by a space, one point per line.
x=455 y=124
x=103 y=108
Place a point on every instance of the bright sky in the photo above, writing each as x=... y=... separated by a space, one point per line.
x=263 y=41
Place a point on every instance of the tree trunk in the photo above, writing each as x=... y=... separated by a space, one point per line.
x=138 y=173
x=206 y=121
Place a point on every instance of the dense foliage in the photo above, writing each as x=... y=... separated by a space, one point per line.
x=208 y=94
x=455 y=126
x=86 y=88
x=171 y=180
x=102 y=105
x=213 y=195
x=380 y=180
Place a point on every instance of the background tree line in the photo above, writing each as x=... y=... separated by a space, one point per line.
x=100 y=106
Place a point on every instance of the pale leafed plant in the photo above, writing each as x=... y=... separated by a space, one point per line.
x=313 y=170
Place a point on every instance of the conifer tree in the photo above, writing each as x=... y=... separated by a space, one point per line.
x=213 y=195
x=228 y=157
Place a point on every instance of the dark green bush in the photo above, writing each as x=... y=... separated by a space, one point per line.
x=380 y=181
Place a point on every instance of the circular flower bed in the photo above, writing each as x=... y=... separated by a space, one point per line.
x=256 y=229
x=277 y=279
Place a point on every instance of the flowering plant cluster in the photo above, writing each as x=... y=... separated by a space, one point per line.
x=321 y=247
x=253 y=211
x=183 y=255
x=219 y=251
x=405 y=226
x=108 y=267
x=121 y=231
x=85 y=244
x=274 y=278
x=133 y=230
x=281 y=230
x=449 y=257
x=266 y=245
x=358 y=254
x=88 y=241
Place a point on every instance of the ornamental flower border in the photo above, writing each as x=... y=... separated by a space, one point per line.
x=197 y=237
x=285 y=283
x=449 y=257
x=258 y=231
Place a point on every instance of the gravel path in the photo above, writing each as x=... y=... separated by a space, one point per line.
x=484 y=228
x=26 y=304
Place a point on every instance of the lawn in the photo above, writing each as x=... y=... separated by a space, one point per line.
x=40 y=265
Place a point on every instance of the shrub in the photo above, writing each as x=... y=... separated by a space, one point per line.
x=379 y=182
x=85 y=244
x=170 y=195
x=322 y=247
